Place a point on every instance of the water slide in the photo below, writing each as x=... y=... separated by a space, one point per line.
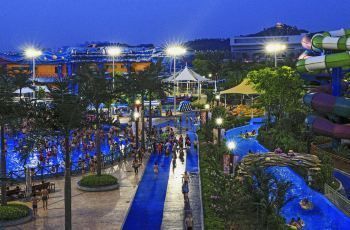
x=334 y=41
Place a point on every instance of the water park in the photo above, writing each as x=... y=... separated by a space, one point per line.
x=114 y=136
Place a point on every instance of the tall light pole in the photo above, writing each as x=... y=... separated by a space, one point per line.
x=275 y=48
x=113 y=52
x=218 y=122
x=136 y=117
x=206 y=107
x=175 y=51
x=32 y=53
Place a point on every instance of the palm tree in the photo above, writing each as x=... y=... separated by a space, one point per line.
x=7 y=115
x=21 y=79
x=96 y=90
x=65 y=114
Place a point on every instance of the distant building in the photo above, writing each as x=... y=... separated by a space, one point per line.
x=252 y=47
x=64 y=62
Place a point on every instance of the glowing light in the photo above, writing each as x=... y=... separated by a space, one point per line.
x=136 y=115
x=210 y=75
x=175 y=50
x=32 y=53
x=137 y=102
x=217 y=97
x=219 y=121
x=206 y=106
x=231 y=145
x=114 y=51
x=275 y=47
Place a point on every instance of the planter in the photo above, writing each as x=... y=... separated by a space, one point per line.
x=22 y=220
x=98 y=189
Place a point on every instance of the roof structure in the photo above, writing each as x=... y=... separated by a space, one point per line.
x=187 y=75
x=87 y=53
x=245 y=88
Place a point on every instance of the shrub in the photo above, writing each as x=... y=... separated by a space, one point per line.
x=98 y=181
x=13 y=212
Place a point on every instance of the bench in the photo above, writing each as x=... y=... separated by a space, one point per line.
x=15 y=193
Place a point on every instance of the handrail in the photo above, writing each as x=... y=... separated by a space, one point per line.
x=337 y=199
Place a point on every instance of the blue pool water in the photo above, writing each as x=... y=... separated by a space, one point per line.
x=15 y=164
x=192 y=156
x=324 y=215
x=146 y=211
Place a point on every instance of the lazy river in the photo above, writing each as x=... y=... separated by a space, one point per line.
x=325 y=215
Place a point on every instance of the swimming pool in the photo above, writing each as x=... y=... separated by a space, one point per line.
x=324 y=215
x=16 y=166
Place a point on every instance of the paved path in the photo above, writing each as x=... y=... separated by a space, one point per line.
x=173 y=215
x=103 y=210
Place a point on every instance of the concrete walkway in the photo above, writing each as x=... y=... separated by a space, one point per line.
x=96 y=210
x=173 y=215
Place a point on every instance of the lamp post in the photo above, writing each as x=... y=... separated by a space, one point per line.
x=113 y=52
x=206 y=107
x=32 y=53
x=217 y=98
x=219 y=122
x=175 y=51
x=275 y=48
x=136 y=117
x=231 y=145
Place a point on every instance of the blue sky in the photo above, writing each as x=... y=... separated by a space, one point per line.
x=54 y=23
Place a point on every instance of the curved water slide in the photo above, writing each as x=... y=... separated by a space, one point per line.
x=338 y=40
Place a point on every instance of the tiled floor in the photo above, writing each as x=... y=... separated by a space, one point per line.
x=102 y=210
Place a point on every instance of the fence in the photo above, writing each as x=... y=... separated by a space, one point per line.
x=337 y=199
x=56 y=170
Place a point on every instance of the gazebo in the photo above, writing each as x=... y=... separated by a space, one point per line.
x=189 y=80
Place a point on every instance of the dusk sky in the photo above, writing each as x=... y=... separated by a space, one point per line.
x=55 y=23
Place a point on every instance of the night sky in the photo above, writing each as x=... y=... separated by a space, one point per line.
x=55 y=23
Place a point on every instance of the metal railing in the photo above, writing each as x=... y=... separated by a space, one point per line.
x=337 y=199
x=56 y=170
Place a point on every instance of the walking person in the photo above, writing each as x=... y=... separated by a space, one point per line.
x=155 y=168
x=45 y=197
x=35 y=204
x=136 y=165
x=189 y=222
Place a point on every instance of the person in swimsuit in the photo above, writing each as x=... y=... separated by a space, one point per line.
x=35 y=205
x=45 y=197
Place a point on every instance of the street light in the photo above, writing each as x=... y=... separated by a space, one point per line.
x=219 y=122
x=32 y=53
x=217 y=98
x=175 y=51
x=114 y=52
x=231 y=145
x=136 y=117
x=275 y=48
x=206 y=107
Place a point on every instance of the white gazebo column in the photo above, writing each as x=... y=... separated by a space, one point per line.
x=187 y=87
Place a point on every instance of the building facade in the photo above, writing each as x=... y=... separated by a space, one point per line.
x=251 y=48
x=63 y=62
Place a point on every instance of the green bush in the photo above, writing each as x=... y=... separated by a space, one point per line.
x=13 y=212
x=98 y=181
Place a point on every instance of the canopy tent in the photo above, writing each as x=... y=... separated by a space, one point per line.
x=244 y=88
x=190 y=78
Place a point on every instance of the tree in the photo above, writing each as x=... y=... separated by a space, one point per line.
x=280 y=90
x=8 y=110
x=96 y=90
x=20 y=79
x=65 y=114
